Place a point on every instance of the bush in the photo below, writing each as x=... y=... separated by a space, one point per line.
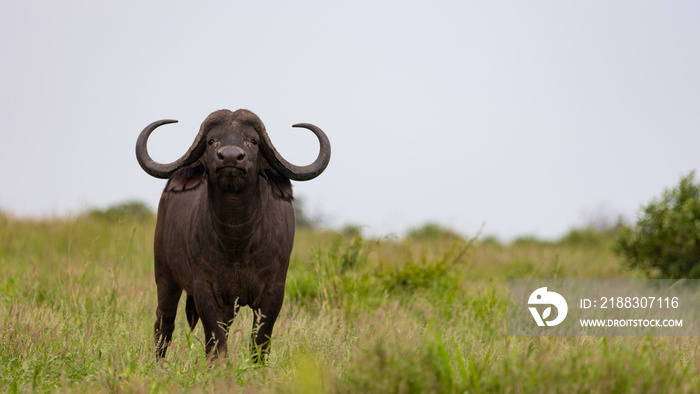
x=351 y=230
x=129 y=210
x=591 y=236
x=430 y=231
x=301 y=216
x=665 y=241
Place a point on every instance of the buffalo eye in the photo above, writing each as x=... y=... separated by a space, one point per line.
x=211 y=142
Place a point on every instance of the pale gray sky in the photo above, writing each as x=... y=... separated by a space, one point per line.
x=520 y=115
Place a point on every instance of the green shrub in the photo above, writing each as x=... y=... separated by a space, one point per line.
x=530 y=240
x=665 y=241
x=301 y=216
x=131 y=209
x=351 y=230
x=430 y=231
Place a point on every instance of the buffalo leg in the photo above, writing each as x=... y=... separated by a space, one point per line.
x=212 y=320
x=168 y=297
x=263 y=323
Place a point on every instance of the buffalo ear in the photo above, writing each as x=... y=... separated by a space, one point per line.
x=281 y=186
x=186 y=178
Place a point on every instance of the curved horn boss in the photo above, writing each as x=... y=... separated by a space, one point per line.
x=225 y=227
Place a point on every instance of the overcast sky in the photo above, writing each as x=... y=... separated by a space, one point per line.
x=525 y=117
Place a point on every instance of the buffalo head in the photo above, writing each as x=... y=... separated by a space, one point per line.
x=229 y=146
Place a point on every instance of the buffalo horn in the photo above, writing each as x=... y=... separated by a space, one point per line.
x=291 y=171
x=160 y=170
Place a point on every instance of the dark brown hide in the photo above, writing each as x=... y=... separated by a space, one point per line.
x=224 y=233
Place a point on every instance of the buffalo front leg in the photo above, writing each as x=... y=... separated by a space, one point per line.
x=168 y=297
x=212 y=322
x=263 y=324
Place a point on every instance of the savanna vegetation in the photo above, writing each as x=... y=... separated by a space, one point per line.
x=422 y=313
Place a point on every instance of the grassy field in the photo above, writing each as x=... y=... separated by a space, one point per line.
x=421 y=314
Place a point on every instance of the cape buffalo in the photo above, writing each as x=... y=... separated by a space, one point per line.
x=225 y=227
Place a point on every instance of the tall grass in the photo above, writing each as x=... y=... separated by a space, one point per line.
x=421 y=314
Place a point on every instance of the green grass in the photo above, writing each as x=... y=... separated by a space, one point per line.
x=421 y=314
